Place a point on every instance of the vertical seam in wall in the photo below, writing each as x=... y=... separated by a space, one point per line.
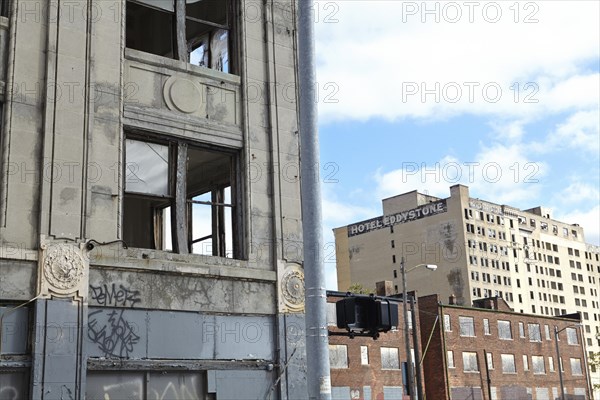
x=88 y=123
x=121 y=141
x=7 y=109
x=245 y=235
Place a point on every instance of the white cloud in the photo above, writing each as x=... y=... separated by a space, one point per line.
x=378 y=52
x=589 y=219
x=581 y=130
x=433 y=179
x=578 y=192
x=499 y=173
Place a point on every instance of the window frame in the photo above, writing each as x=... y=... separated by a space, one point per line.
x=394 y=354
x=337 y=348
x=181 y=205
x=470 y=354
x=504 y=359
x=504 y=322
x=181 y=48
x=471 y=325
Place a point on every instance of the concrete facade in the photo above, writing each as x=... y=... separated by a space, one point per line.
x=537 y=264
x=493 y=353
x=115 y=282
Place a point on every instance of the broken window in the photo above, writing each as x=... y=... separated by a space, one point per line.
x=180 y=198
x=195 y=31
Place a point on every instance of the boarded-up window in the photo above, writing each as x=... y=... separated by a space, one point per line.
x=508 y=364
x=467 y=326
x=466 y=393
x=572 y=336
x=389 y=358
x=542 y=393
x=338 y=356
x=470 y=362
x=340 y=393
x=447 y=325
x=450 y=358
x=392 y=392
x=504 y=330
x=535 y=335
x=576 y=366
x=364 y=355
x=537 y=364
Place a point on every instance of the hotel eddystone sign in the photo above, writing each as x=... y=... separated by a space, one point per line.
x=385 y=221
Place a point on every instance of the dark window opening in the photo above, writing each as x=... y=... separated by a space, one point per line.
x=5 y=8
x=197 y=31
x=181 y=199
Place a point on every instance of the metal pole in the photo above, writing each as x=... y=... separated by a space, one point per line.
x=409 y=368
x=416 y=349
x=562 y=385
x=317 y=342
x=487 y=374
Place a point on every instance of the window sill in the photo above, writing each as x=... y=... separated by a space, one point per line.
x=164 y=261
x=162 y=62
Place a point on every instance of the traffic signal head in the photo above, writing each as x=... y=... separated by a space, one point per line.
x=366 y=314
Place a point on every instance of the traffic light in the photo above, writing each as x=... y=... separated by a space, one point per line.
x=366 y=315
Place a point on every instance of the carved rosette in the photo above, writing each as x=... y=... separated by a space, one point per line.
x=291 y=289
x=63 y=270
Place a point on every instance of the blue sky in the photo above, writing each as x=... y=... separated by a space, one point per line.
x=500 y=96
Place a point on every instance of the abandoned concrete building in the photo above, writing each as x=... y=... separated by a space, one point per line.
x=149 y=246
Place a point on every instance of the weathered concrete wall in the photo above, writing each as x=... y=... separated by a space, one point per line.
x=70 y=90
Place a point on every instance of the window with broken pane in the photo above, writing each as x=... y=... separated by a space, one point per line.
x=196 y=31
x=180 y=198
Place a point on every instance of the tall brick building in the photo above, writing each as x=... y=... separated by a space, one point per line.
x=537 y=264
x=489 y=352
x=149 y=246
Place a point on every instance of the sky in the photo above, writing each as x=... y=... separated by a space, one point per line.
x=500 y=96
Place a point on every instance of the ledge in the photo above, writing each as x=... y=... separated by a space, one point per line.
x=189 y=264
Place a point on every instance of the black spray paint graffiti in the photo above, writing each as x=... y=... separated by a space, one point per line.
x=114 y=296
x=116 y=336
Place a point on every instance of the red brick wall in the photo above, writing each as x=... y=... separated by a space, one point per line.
x=356 y=375
x=518 y=346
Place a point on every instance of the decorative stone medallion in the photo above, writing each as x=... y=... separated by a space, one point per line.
x=63 y=270
x=292 y=288
x=63 y=266
x=182 y=95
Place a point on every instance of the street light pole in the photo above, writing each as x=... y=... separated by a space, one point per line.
x=560 y=377
x=409 y=367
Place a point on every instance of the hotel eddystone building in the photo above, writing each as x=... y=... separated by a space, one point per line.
x=149 y=248
x=538 y=265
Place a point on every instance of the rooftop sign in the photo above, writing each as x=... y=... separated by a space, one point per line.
x=385 y=221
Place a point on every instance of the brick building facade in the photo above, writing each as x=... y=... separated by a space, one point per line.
x=493 y=353
x=365 y=369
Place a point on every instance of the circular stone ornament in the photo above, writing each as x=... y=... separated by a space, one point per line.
x=292 y=288
x=63 y=267
x=182 y=94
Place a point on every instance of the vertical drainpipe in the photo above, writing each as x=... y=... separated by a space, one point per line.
x=317 y=349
